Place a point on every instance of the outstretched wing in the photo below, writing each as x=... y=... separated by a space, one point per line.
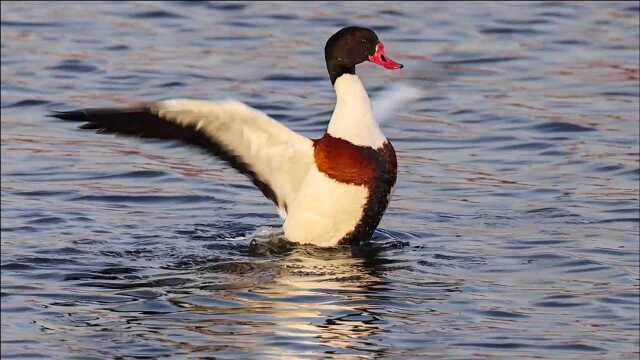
x=387 y=103
x=274 y=157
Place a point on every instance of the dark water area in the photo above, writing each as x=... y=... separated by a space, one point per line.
x=512 y=232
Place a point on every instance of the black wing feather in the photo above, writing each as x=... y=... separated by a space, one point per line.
x=142 y=122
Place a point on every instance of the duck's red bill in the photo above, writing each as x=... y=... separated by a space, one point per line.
x=383 y=60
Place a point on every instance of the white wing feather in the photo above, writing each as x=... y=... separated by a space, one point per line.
x=279 y=157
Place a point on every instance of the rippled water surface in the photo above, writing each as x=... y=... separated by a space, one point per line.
x=512 y=232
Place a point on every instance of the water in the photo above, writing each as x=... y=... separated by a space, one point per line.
x=512 y=233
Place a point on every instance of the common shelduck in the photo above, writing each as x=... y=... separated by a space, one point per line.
x=329 y=191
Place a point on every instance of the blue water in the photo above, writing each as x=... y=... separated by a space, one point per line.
x=512 y=232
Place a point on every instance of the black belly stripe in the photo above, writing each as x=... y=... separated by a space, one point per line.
x=378 y=198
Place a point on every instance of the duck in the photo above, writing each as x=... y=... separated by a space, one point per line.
x=329 y=191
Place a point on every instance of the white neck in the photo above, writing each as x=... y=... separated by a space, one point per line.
x=352 y=119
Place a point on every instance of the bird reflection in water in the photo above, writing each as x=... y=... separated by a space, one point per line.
x=298 y=299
